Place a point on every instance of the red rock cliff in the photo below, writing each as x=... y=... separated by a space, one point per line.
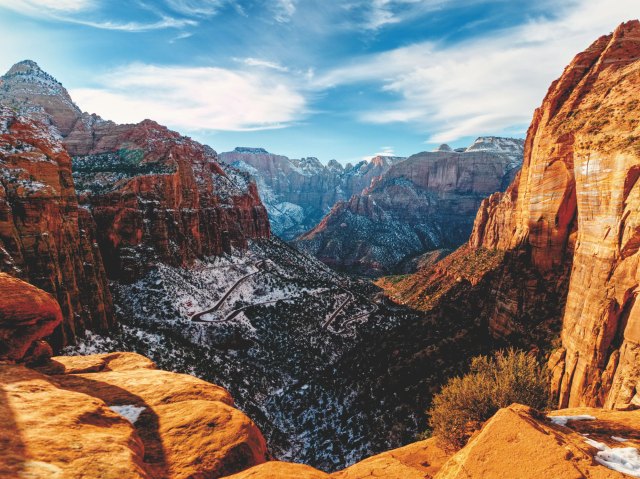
x=159 y=196
x=45 y=238
x=576 y=203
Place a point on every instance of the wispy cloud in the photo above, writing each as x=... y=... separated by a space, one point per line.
x=485 y=85
x=384 y=151
x=257 y=62
x=81 y=12
x=193 y=99
x=284 y=10
x=196 y=8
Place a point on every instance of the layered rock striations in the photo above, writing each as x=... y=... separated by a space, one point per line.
x=567 y=227
x=45 y=238
x=83 y=199
x=157 y=196
x=299 y=192
x=427 y=202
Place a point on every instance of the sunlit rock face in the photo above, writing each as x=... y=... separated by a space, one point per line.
x=578 y=197
x=569 y=222
x=83 y=199
x=116 y=416
x=425 y=203
x=299 y=192
x=27 y=315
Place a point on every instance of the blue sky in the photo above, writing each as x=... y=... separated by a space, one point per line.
x=332 y=79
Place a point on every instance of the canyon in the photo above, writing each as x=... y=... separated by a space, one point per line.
x=122 y=240
x=563 y=236
x=425 y=203
x=299 y=192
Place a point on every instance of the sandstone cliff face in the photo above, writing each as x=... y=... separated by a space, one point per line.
x=298 y=193
x=147 y=195
x=577 y=199
x=27 y=314
x=157 y=196
x=569 y=223
x=45 y=238
x=424 y=203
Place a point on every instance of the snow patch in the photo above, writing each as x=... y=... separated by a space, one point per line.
x=130 y=412
x=563 y=420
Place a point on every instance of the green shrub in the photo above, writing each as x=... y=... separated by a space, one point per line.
x=492 y=383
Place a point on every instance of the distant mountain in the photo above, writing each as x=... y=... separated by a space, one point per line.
x=427 y=202
x=299 y=192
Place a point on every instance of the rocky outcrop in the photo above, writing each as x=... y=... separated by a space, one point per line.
x=520 y=443
x=45 y=238
x=147 y=195
x=299 y=192
x=575 y=201
x=424 y=203
x=568 y=226
x=121 y=418
x=27 y=315
x=157 y=196
x=420 y=460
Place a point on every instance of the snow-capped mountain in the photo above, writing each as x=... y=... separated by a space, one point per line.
x=424 y=203
x=299 y=192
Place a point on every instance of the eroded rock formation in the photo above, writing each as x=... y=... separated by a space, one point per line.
x=27 y=315
x=45 y=238
x=147 y=195
x=299 y=192
x=569 y=222
x=424 y=203
x=116 y=416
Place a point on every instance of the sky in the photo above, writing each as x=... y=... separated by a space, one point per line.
x=333 y=79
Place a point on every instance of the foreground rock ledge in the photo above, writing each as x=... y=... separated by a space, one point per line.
x=58 y=423
x=517 y=443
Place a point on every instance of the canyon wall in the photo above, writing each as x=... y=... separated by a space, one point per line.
x=299 y=192
x=83 y=199
x=570 y=223
x=425 y=203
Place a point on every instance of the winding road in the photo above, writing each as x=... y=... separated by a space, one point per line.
x=196 y=317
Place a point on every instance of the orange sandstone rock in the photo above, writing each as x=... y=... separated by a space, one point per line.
x=178 y=426
x=569 y=231
x=521 y=443
x=280 y=470
x=420 y=460
x=27 y=314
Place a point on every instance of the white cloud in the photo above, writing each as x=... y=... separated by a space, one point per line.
x=76 y=11
x=257 y=62
x=385 y=12
x=485 y=85
x=193 y=99
x=384 y=151
x=196 y=7
x=39 y=7
x=284 y=10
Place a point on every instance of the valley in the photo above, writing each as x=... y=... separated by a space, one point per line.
x=170 y=312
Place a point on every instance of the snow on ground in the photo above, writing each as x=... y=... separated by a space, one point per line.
x=563 y=420
x=622 y=459
x=619 y=439
x=130 y=412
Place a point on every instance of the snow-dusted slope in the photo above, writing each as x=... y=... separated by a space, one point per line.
x=299 y=192
x=329 y=371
